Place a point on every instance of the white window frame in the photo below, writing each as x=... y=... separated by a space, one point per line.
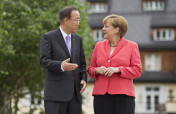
x=98 y=8
x=142 y=93
x=152 y=93
x=98 y=35
x=169 y=34
x=152 y=62
x=154 y=5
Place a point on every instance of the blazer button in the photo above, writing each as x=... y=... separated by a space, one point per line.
x=108 y=60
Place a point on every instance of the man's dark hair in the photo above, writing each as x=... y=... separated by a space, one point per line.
x=66 y=12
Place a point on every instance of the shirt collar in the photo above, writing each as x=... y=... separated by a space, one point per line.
x=63 y=33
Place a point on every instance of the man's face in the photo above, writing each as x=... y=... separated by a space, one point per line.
x=74 y=21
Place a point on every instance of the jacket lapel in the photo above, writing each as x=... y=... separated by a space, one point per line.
x=61 y=41
x=107 y=49
x=119 y=46
x=73 y=46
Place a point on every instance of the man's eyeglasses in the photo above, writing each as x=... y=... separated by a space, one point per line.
x=76 y=20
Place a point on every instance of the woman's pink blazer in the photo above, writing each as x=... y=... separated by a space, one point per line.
x=126 y=56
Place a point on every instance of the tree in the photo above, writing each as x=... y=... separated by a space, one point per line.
x=22 y=22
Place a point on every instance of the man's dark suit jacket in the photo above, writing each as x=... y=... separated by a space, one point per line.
x=59 y=85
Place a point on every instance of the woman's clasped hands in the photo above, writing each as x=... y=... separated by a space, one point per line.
x=107 y=71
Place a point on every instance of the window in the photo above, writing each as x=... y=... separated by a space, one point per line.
x=152 y=62
x=163 y=34
x=153 y=5
x=152 y=98
x=98 y=8
x=148 y=102
x=156 y=102
x=98 y=35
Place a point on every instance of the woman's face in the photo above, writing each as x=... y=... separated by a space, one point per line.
x=109 y=31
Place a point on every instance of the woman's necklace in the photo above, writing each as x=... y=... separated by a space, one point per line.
x=113 y=45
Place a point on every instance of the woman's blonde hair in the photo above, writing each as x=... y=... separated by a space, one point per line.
x=117 y=21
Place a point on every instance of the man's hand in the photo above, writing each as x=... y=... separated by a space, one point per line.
x=83 y=85
x=68 y=66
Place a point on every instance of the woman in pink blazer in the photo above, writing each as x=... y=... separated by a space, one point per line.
x=114 y=64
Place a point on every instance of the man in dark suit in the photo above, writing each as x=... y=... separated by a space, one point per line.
x=62 y=54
